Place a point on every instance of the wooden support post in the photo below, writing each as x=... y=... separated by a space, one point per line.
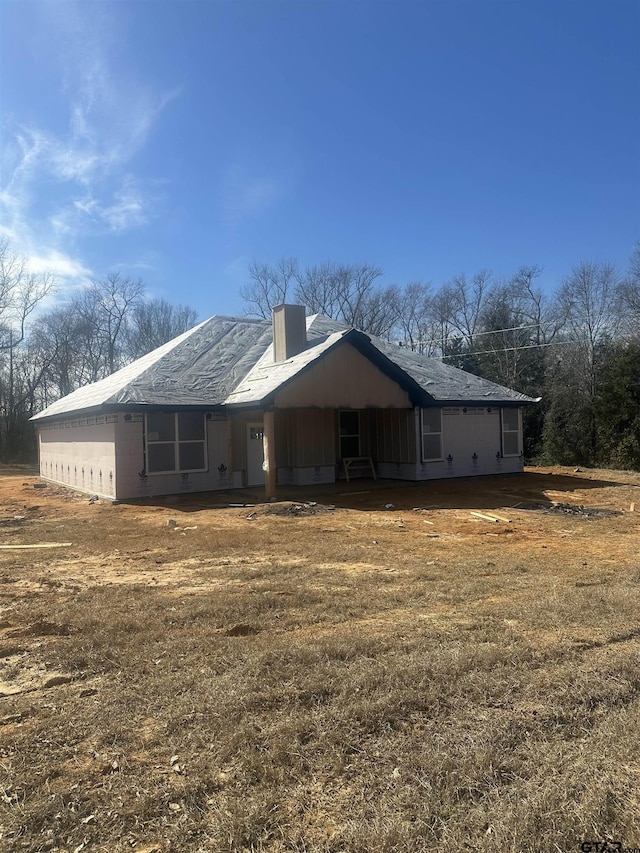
x=229 y=453
x=269 y=440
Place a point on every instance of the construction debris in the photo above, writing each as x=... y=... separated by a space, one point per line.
x=485 y=517
x=577 y=510
x=39 y=545
x=584 y=511
x=299 y=509
x=11 y=520
x=492 y=517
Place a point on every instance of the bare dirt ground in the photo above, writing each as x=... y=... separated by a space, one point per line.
x=362 y=667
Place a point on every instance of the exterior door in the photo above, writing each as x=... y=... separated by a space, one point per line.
x=255 y=454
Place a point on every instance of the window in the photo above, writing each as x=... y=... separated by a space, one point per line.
x=175 y=442
x=510 y=432
x=349 y=434
x=431 y=435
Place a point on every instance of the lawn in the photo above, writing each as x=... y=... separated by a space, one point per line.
x=381 y=670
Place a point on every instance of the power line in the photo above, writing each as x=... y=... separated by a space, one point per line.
x=512 y=349
x=462 y=337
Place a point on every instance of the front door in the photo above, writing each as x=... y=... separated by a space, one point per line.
x=255 y=455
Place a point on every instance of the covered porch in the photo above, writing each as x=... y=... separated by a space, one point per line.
x=307 y=446
x=311 y=446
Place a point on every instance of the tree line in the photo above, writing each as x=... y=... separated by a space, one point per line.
x=576 y=346
x=50 y=352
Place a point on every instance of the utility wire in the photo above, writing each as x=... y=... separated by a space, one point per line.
x=510 y=349
x=461 y=337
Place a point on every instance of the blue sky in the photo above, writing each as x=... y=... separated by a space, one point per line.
x=179 y=141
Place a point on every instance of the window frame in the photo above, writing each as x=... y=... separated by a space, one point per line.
x=175 y=442
x=350 y=435
x=423 y=456
x=517 y=432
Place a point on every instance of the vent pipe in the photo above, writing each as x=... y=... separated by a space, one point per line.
x=289 y=331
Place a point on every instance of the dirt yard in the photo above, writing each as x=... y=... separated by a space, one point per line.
x=356 y=668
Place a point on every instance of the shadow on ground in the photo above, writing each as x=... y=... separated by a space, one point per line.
x=530 y=487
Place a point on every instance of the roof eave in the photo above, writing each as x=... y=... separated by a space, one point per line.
x=124 y=408
x=484 y=401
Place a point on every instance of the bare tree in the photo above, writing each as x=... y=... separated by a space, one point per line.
x=518 y=322
x=154 y=322
x=97 y=331
x=629 y=293
x=442 y=307
x=588 y=300
x=414 y=317
x=68 y=341
x=57 y=342
x=72 y=341
x=468 y=302
x=347 y=293
x=376 y=314
x=534 y=307
x=20 y=292
x=104 y=308
x=456 y=311
x=503 y=339
x=634 y=263
x=268 y=285
x=318 y=289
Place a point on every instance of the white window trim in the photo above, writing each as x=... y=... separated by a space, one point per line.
x=422 y=435
x=176 y=444
x=511 y=431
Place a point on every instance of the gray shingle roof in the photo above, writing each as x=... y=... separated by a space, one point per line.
x=443 y=382
x=229 y=361
x=199 y=367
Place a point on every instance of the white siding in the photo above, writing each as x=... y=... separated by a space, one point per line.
x=473 y=438
x=132 y=481
x=472 y=445
x=80 y=453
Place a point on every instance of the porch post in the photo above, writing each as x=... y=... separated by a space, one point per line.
x=230 y=452
x=269 y=456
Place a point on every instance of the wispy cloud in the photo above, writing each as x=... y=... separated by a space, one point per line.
x=64 y=265
x=246 y=195
x=58 y=187
x=125 y=208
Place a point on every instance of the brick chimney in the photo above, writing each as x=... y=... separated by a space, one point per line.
x=289 y=331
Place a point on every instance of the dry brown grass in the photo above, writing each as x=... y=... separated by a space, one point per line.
x=355 y=680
